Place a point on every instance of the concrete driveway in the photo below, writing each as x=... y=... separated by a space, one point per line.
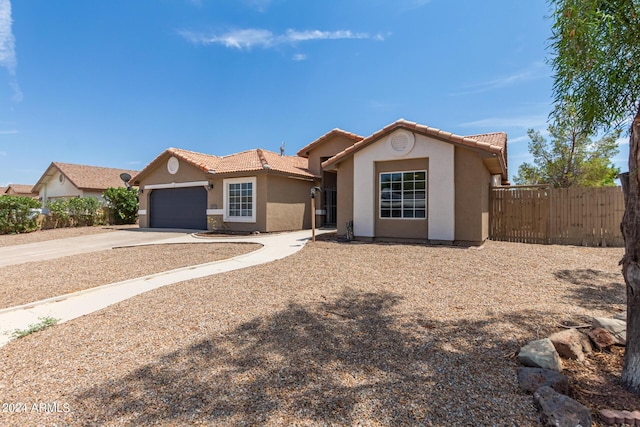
x=51 y=249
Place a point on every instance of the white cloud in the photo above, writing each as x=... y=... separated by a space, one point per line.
x=524 y=122
x=9 y=132
x=7 y=41
x=8 y=48
x=535 y=71
x=256 y=37
x=299 y=57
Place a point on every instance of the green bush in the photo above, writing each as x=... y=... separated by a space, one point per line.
x=58 y=216
x=74 y=212
x=18 y=214
x=123 y=204
x=85 y=211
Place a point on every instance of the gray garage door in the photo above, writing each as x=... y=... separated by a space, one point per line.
x=179 y=208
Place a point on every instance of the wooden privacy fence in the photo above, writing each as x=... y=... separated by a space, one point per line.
x=565 y=216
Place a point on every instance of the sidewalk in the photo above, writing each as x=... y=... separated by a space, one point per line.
x=71 y=306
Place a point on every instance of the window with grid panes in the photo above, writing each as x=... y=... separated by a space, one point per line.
x=403 y=195
x=240 y=199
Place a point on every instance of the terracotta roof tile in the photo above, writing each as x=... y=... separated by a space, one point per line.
x=493 y=143
x=3 y=190
x=304 y=151
x=258 y=159
x=245 y=161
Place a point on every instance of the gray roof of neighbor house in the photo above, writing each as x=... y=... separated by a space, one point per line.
x=245 y=161
x=492 y=143
x=85 y=177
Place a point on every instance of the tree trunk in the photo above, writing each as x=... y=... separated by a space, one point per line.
x=631 y=262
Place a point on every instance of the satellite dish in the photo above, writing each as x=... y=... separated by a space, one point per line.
x=125 y=177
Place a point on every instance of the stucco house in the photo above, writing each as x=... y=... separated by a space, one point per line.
x=405 y=181
x=255 y=190
x=65 y=180
x=410 y=181
x=24 y=190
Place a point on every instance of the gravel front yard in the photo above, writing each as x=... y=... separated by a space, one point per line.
x=346 y=334
x=56 y=233
x=34 y=281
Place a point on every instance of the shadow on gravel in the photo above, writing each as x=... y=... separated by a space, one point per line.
x=595 y=289
x=343 y=361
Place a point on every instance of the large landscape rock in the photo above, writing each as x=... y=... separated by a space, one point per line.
x=540 y=354
x=569 y=344
x=616 y=327
x=601 y=338
x=531 y=379
x=559 y=410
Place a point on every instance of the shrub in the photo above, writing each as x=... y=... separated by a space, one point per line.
x=18 y=214
x=74 y=212
x=123 y=204
x=85 y=211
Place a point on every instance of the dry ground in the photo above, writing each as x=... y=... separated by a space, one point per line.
x=337 y=334
x=56 y=233
x=34 y=281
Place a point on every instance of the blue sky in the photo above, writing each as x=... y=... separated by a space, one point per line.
x=114 y=83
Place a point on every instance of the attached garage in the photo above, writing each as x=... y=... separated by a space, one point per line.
x=178 y=208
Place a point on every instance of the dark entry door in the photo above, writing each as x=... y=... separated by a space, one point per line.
x=330 y=205
x=179 y=208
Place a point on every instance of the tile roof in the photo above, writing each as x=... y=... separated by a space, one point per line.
x=304 y=151
x=3 y=190
x=245 y=161
x=494 y=143
x=85 y=177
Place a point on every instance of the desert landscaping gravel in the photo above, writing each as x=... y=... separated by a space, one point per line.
x=34 y=281
x=337 y=334
x=55 y=233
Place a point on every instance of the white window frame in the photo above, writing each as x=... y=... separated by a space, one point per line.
x=426 y=196
x=225 y=193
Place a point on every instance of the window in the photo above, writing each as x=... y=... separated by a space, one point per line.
x=403 y=195
x=240 y=200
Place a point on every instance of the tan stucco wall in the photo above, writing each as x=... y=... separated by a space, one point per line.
x=328 y=148
x=397 y=227
x=288 y=204
x=160 y=175
x=345 y=195
x=472 y=181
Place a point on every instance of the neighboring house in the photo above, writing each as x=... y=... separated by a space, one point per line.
x=255 y=190
x=65 y=180
x=405 y=181
x=24 y=190
x=3 y=190
x=410 y=181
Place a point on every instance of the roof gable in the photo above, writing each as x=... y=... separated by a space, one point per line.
x=245 y=161
x=85 y=177
x=18 y=189
x=304 y=151
x=493 y=143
